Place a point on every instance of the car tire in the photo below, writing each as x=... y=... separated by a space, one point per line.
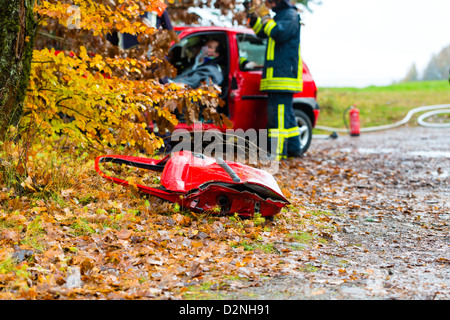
x=304 y=123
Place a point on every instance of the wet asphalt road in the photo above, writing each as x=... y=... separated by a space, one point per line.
x=396 y=243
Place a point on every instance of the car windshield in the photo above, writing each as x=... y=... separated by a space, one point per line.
x=252 y=48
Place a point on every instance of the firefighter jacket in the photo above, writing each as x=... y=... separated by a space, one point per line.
x=283 y=67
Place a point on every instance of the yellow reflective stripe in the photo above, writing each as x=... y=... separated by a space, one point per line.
x=300 y=65
x=271 y=44
x=265 y=86
x=274 y=133
x=281 y=117
x=257 y=26
x=270 y=49
x=281 y=130
x=285 y=133
x=290 y=89
x=273 y=84
x=279 y=133
x=269 y=73
x=281 y=81
x=293 y=129
x=280 y=145
x=282 y=89
x=292 y=132
x=269 y=26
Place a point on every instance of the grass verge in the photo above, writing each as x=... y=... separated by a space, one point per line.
x=379 y=105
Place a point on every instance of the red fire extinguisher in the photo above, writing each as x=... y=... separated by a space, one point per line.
x=354 y=121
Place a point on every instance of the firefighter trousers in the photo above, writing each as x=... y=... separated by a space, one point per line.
x=283 y=131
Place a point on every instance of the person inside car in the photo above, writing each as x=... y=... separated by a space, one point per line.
x=208 y=54
x=206 y=67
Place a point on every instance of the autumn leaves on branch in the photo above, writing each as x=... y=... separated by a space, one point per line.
x=98 y=94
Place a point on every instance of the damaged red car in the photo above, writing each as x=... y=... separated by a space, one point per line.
x=204 y=184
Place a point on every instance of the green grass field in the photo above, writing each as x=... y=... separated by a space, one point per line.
x=379 y=105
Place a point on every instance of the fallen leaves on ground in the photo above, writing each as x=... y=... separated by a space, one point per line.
x=97 y=240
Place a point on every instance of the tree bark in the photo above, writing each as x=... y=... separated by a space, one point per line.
x=17 y=30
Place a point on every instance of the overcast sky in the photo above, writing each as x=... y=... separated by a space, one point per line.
x=372 y=42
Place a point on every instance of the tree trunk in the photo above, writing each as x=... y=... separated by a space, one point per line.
x=17 y=30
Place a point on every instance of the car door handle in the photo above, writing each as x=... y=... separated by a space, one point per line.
x=234 y=84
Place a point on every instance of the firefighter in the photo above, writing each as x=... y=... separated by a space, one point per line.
x=282 y=74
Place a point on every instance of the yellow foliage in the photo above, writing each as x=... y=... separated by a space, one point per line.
x=98 y=17
x=104 y=100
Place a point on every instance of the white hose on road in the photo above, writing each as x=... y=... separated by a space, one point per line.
x=433 y=110
x=422 y=122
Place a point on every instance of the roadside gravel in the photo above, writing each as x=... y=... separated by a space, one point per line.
x=391 y=206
